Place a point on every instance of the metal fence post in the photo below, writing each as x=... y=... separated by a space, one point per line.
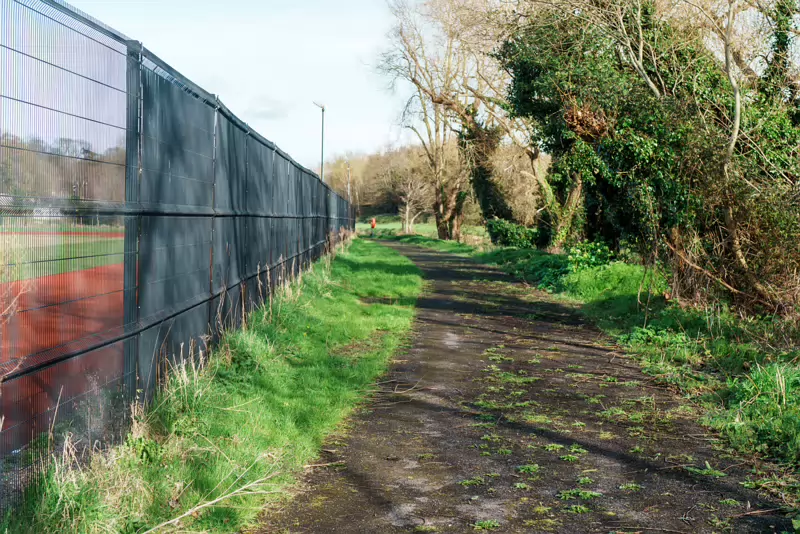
x=212 y=323
x=132 y=218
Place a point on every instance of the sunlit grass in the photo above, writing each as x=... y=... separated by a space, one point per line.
x=242 y=427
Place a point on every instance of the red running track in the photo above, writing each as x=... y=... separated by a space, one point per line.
x=54 y=311
x=104 y=235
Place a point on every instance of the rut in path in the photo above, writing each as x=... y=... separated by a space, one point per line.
x=509 y=413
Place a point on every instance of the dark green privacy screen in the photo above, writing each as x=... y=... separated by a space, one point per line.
x=138 y=218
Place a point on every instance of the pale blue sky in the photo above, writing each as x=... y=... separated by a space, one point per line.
x=269 y=59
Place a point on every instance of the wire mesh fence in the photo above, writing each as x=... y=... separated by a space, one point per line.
x=138 y=217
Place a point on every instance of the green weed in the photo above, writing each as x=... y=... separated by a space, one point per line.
x=583 y=495
x=707 y=472
x=577 y=449
x=474 y=481
x=578 y=509
x=529 y=469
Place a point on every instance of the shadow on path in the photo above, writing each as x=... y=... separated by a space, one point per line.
x=499 y=376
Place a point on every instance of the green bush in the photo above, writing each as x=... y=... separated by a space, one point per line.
x=508 y=234
x=589 y=254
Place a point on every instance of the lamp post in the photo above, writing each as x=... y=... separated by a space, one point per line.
x=322 y=157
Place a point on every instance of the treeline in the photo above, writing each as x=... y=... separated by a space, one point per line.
x=33 y=170
x=673 y=128
x=397 y=180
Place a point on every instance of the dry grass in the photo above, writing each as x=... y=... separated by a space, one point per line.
x=11 y=291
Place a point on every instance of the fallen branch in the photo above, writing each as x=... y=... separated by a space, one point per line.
x=759 y=512
x=654 y=529
x=243 y=491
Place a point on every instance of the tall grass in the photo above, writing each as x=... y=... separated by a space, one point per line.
x=765 y=411
x=229 y=434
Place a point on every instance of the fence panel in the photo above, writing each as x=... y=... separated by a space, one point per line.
x=63 y=122
x=138 y=218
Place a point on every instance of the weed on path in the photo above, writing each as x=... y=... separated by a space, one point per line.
x=510 y=414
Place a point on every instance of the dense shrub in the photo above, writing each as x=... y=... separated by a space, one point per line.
x=632 y=161
x=508 y=234
x=588 y=254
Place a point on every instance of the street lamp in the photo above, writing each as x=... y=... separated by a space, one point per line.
x=322 y=157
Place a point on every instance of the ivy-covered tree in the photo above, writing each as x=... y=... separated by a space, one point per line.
x=657 y=139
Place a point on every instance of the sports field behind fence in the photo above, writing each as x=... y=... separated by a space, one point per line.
x=138 y=217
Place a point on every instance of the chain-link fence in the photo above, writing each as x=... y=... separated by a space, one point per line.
x=138 y=217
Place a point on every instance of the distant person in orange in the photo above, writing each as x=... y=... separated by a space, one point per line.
x=373 y=223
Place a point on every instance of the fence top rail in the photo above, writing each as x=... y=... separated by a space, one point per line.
x=86 y=19
x=171 y=74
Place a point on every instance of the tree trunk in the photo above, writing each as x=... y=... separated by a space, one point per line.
x=566 y=221
x=442 y=228
x=441 y=213
x=457 y=217
x=413 y=221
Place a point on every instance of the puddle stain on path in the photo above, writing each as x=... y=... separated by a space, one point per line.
x=510 y=414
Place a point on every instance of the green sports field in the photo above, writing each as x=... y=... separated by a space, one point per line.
x=27 y=255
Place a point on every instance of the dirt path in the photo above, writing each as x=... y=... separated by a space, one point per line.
x=510 y=414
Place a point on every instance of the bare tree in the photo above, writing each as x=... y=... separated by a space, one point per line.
x=427 y=61
x=404 y=179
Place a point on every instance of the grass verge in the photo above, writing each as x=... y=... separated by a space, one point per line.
x=221 y=441
x=743 y=370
